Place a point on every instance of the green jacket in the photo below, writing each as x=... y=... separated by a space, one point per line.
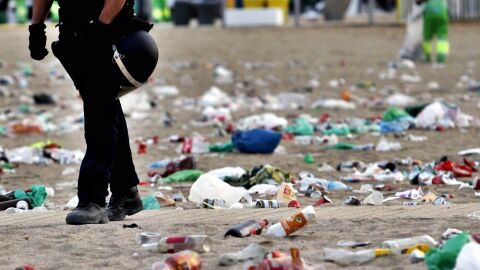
x=436 y=8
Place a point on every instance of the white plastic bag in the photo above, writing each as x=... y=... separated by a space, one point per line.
x=469 y=258
x=266 y=120
x=400 y=100
x=441 y=114
x=222 y=173
x=214 y=97
x=210 y=187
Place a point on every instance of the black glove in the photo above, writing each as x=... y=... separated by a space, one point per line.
x=37 y=41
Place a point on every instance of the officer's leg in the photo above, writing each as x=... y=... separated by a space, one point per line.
x=125 y=200
x=101 y=135
x=428 y=26
x=101 y=125
x=443 y=46
x=124 y=176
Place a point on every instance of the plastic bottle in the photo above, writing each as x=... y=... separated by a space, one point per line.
x=398 y=245
x=347 y=257
x=293 y=223
x=148 y=238
x=348 y=166
x=172 y=244
x=185 y=260
x=247 y=228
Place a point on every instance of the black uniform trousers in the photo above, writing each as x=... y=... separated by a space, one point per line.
x=108 y=159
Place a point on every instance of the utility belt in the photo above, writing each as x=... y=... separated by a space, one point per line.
x=76 y=31
x=70 y=31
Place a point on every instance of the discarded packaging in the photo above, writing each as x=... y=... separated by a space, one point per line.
x=293 y=223
x=185 y=260
x=172 y=244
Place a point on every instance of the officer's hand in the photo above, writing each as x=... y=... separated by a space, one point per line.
x=99 y=32
x=37 y=41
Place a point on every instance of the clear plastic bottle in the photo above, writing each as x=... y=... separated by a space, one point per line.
x=185 y=260
x=293 y=223
x=172 y=244
x=398 y=245
x=146 y=238
x=347 y=257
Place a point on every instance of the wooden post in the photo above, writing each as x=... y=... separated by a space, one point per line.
x=297 y=7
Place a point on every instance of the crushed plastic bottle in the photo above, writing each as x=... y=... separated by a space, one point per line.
x=346 y=257
x=398 y=245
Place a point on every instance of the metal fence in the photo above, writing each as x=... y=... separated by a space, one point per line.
x=459 y=9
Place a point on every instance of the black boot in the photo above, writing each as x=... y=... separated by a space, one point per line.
x=87 y=213
x=122 y=205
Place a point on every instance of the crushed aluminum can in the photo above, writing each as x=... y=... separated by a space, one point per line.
x=211 y=203
x=294 y=204
x=267 y=204
x=440 y=201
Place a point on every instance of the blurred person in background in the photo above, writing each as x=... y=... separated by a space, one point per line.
x=435 y=25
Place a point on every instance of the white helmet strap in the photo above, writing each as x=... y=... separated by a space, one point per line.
x=118 y=59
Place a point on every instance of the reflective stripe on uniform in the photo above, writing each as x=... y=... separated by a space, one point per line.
x=427 y=47
x=443 y=47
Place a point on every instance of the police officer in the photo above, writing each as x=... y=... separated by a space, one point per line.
x=87 y=30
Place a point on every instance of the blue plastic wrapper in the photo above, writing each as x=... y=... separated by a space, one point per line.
x=256 y=141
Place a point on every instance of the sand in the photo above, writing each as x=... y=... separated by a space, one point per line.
x=353 y=53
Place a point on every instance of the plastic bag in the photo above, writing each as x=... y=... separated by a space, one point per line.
x=150 y=203
x=469 y=258
x=37 y=194
x=259 y=141
x=182 y=176
x=444 y=258
x=210 y=187
x=395 y=114
x=266 y=120
x=221 y=148
x=230 y=172
x=301 y=127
